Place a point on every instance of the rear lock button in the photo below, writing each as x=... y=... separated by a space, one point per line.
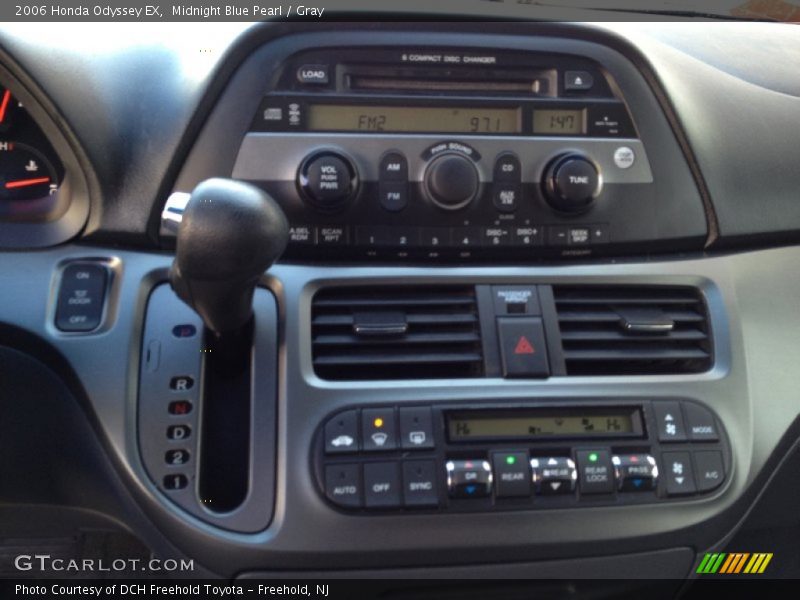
x=595 y=472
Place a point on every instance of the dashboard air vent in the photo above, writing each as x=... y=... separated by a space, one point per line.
x=390 y=332
x=633 y=330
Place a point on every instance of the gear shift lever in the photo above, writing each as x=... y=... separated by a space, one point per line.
x=229 y=234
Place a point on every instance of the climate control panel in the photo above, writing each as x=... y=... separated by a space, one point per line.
x=492 y=457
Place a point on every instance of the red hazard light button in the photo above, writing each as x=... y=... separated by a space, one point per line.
x=522 y=347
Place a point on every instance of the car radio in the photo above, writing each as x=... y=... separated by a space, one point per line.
x=397 y=153
x=491 y=457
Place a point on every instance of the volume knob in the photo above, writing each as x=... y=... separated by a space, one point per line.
x=571 y=183
x=452 y=181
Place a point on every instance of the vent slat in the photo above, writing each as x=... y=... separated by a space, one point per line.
x=619 y=336
x=595 y=343
x=411 y=319
x=442 y=339
x=396 y=359
x=566 y=315
x=411 y=338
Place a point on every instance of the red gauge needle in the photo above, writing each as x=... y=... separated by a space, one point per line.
x=4 y=105
x=10 y=185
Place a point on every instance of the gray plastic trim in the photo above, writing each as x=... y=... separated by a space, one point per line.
x=276 y=156
x=184 y=356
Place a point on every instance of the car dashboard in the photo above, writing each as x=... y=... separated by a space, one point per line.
x=535 y=316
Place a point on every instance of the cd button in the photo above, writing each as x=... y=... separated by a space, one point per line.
x=507 y=169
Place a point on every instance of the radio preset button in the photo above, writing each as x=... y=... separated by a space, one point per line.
x=527 y=235
x=496 y=236
x=469 y=478
x=553 y=475
x=328 y=180
x=435 y=237
x=467 y=237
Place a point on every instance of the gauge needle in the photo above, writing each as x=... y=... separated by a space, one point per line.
x=10 y=185
x=4 y=105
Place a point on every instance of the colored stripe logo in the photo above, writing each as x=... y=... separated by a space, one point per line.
x=734 y=563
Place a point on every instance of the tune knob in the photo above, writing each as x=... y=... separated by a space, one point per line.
x=328 y=180
x=451 y=181
x=571 y=183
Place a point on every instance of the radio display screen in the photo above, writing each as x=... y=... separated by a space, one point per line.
x=559 y=122
x=416 y=119
x=465 y=426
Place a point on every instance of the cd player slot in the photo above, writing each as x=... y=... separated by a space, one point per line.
x=538 y=83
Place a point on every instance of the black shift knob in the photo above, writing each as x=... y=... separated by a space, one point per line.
x=230 y=233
